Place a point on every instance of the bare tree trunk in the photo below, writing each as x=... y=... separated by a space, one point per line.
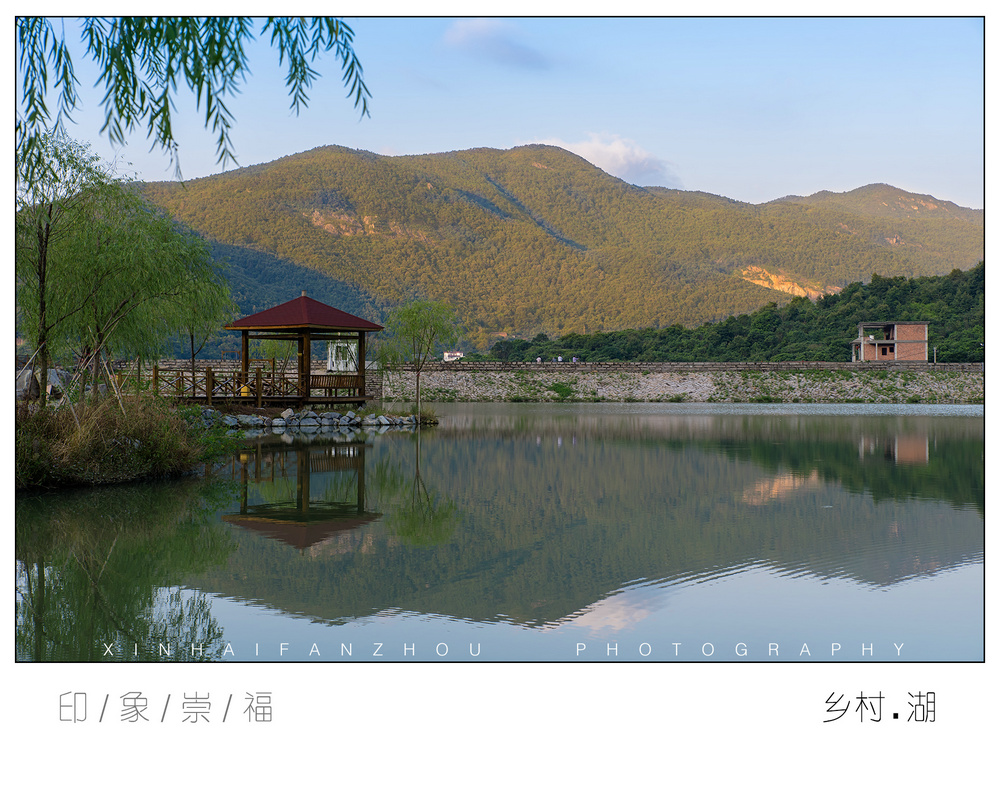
x=83 y=367
x=418 y=395
x=43 y=374
x=96 y=366
x=42 y=232
x=192 y=366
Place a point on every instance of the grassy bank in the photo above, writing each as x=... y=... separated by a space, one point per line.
x=108 y=442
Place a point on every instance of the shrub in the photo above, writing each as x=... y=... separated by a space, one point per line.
x=103 y=442
x=562 y=390
x=425 y=415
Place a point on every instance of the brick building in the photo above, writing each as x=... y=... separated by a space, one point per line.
x=890 y=340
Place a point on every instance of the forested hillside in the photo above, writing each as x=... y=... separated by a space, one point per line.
x=953 y=305
x=535 y=239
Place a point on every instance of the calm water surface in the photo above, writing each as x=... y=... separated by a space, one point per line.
x=532 y=533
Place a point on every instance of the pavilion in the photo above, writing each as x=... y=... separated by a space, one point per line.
x=306 y=321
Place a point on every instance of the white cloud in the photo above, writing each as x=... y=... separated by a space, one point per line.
x=496 y=40
x=623 y=158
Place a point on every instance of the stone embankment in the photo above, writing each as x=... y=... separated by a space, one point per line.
x=305 y=421
x=886 y=383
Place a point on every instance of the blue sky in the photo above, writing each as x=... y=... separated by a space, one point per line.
x=748 y=108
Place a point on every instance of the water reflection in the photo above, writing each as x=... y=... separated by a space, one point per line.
x=557 y=521
x=276 y=497
x=96 y=572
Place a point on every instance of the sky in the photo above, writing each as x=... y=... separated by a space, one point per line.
x=749 y=108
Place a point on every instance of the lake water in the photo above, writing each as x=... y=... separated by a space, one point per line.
x=521 y=532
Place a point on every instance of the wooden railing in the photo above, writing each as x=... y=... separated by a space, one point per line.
x=211 y=384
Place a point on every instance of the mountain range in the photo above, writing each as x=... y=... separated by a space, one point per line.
x=536 y=239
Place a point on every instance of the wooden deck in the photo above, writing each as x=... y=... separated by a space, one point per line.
x=259 y=387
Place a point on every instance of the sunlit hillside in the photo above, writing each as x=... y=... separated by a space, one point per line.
x=536 y=239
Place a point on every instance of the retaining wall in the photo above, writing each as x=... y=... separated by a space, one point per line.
x=951 y=383
x=641 y=366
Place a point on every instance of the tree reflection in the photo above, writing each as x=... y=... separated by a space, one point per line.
x=424 y=517
x=92 y=565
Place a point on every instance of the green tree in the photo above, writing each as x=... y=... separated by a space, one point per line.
x=150 y=279
x=412 y=334
x=50 y=209
x=101 y=269
x=206 y=307
x=281 y=352
x=502 y=350
x=142 y=59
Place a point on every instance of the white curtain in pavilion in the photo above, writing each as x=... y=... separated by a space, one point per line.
x=342 y=356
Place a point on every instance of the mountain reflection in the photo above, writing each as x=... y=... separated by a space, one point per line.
x=589 y=518
x=549 y=514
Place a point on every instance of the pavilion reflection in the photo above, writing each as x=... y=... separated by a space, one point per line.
x=297 y=517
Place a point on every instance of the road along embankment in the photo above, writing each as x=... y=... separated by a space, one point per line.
x=885 y=383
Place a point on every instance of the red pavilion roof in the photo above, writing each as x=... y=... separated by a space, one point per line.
x=303 y=311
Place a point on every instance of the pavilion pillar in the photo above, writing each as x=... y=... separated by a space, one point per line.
x=302 y=474
x=305 y=364
x=245 y=357
x=361 y=364
x=361 y=478
x=298 y=363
